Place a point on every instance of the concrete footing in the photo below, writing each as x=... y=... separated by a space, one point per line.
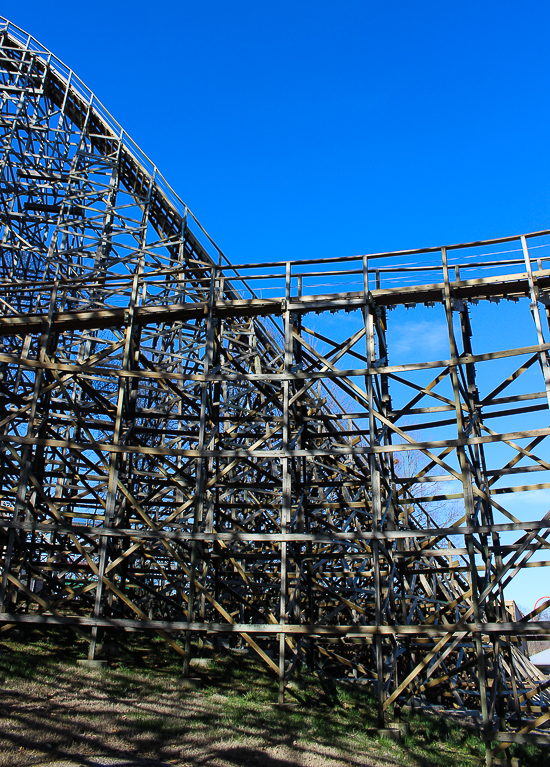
x=201 y=662
x=191 y=683
x=92 y=664
x=394 y=731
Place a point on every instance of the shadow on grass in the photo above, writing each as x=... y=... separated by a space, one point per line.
x=136 y=713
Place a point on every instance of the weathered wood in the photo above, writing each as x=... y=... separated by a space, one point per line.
x=179 y=453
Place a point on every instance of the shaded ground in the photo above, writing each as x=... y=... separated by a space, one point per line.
x=53 y=711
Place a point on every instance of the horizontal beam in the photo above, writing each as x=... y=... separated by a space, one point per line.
x=485 y=288
x=538 y=629
x=245 y=536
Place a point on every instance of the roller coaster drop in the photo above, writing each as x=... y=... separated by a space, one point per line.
x=198 y=449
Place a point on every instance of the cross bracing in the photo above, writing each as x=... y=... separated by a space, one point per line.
x=202 y=449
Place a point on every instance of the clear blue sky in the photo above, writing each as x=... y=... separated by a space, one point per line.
x=314 y=128
x=320 y=129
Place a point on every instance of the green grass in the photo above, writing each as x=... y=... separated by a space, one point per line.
x=236 y=702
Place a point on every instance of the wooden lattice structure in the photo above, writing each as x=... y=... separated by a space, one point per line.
x=204 y=450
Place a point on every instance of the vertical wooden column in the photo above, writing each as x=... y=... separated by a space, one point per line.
x=494 y=604
x=201 y=462
x=303 y=572
x=544 y=358
x=213 y=464
x=26 y=457
x=44 y=344
x=115 y=459
x=466 y=475
x=286 y=499
x=376 y=500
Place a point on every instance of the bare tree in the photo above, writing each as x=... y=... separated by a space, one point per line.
x=427 y=499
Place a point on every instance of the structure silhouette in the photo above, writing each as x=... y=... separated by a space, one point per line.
x=198 y=449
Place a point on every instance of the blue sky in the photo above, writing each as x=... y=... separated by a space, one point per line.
x=316 y=128
x=305 y=129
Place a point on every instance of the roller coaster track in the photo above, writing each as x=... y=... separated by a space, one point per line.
x=208 y=450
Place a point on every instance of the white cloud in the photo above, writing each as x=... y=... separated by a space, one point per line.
x=424 y=338
x=535 y=500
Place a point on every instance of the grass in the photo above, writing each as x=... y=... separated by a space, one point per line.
x=137 y=707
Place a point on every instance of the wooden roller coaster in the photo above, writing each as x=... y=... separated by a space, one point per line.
x=205 y=450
